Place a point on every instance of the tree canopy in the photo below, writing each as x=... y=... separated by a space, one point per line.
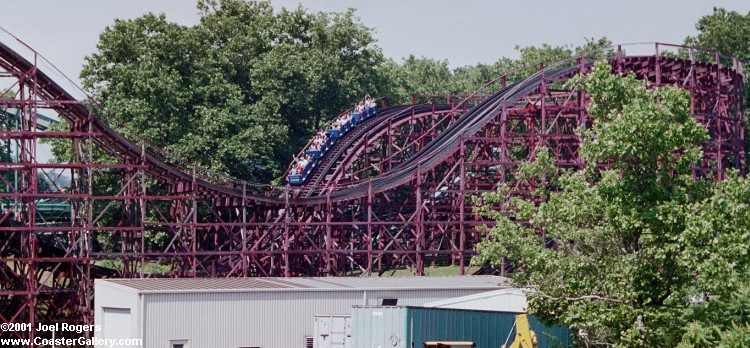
x=725 y=31
x=431 y=76
x=239 y=92
x=639 y=254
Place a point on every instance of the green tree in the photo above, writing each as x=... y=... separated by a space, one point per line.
x=430 y=76
x=239 y=92
x=725 y=31
x=639 y=254
x=424 y=75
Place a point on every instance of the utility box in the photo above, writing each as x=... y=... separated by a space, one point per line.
x=411 y=327
x=332 y=331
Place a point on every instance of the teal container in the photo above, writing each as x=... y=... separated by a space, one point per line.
x=410 y=327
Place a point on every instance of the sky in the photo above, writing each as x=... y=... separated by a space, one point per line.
x=463 y=32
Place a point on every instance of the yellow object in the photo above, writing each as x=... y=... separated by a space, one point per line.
x=525 y=337
x=449 y=344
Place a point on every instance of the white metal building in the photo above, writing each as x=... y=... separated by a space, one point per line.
x=255 y=312
x=504 y=300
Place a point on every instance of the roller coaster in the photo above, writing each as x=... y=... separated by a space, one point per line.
x=395 y=192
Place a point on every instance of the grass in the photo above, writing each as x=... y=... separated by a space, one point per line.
x=149 y=267
x=434 y=271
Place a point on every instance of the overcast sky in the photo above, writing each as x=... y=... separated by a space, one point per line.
x=464 y=32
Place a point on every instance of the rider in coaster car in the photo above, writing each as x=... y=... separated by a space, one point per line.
x=369 y=105
x=302 y=164
x=295 y=167
x=318 y=141
x=356 y=114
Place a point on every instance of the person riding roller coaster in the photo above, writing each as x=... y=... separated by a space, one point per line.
x=323 y=140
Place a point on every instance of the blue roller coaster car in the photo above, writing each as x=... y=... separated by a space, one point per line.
x=294 y=180
x=314 y=154
x=299 y=179
x=333 y=133
x=369 y=112
x=333 y=136
x=327 y=145
x=346 y=127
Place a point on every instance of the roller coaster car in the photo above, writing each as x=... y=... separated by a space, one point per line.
x=345 y=128
x=294 y=180
x=333 y=133
x=299 y=179
x=369 y=112
x=356 y=117
x=327 y=145
x=314 y=154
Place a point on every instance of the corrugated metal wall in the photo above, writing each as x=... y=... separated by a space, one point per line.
x=485 y=329
x=379 y=327
x=111 y=298
x=399 y=327
x=278 y=319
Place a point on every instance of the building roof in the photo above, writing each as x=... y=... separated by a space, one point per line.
x=503 y=300
x=191 y=285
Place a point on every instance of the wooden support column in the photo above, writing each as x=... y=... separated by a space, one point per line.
x=329 y=235
x=243 y=231
x=582 y=116
x=142 y=205
x=369 y=228
x=462 y=212
x=418 y=223
x=657 y=66
x=287 y=220
x=193 y=224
